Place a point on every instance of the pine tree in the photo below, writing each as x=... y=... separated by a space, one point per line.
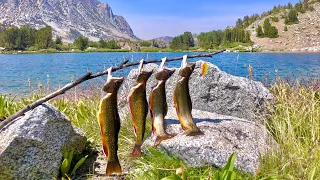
x=259 y=31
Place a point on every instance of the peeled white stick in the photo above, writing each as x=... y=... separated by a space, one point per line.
x=184 y=61
x=162 y=63
x=109 y=74
x=141 y=65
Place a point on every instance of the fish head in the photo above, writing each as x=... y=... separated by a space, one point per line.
x=165 y=74
x=113 y=84
x=144 y=76
x=187 y=70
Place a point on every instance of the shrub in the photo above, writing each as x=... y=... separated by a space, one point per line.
x=292 y=17
x=275 y=19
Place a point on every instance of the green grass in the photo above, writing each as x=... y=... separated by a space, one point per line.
x=294 y=122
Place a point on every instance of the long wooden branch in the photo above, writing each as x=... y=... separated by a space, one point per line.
x=84 y=78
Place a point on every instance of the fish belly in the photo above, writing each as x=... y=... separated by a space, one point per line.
x=109 y=127
x=139 y=111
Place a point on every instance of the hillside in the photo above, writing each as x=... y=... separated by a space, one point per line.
x=68 y=18
x=164 y=38
x=301 y=37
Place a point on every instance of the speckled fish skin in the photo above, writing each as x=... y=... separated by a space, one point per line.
x=138 y=104
x=158 y=106
x=109 y=122
x=182 y=101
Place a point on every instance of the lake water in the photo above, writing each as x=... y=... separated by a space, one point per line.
x=60 y=69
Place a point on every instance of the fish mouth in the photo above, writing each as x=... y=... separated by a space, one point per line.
x=148 y=73
x=118 y=79
x=169 y=71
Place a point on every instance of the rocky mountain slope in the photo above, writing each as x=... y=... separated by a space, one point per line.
x=68 y=18
x=164 y=38
x=301 y=37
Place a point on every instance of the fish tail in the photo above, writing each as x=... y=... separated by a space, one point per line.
x=159 y=139
x=113 y=167
x=136 y=151
x=194 y=133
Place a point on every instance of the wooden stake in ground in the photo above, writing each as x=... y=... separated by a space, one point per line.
x=86 y=77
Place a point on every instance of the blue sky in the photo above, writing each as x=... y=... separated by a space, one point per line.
x=154 y=18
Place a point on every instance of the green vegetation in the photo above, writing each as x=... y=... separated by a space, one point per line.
x=24 y=37
x=157 y=165
x=269 y=30
x=285 y=28
x=81 y=43
x=30 y=40
x=293 y=121
x=71 y=162
x=275 y=19
x=301 y=7
x=107 y=44
x=292 y=17
x=146 y=43
x=184 y=41
x=219 y=39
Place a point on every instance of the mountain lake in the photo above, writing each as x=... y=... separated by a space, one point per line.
x=17 y=70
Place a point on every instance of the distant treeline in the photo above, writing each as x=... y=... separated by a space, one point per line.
x=183 y=42
x=28 y=38
x=25 y=37
x=222 y=38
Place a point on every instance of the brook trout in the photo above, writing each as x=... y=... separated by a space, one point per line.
x=182 y=100
x=158 y=105
x=109 y=122
x=138 y=104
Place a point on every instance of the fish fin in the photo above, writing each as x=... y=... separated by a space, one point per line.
x=193 y=133
x=159 y=139
x=113 y=167
x=105 y=148
x=204 y=69
x=136 y=151
x=135 y=130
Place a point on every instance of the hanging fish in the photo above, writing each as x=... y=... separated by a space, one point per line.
x=109 y=122
x=182 y=100
x=158 y=104
x=138 y=104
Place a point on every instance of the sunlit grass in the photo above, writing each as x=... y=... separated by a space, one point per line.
x=294 y=122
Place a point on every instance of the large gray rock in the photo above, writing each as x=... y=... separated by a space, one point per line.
x=223 y=135
x=31 y=147
x=217 y=92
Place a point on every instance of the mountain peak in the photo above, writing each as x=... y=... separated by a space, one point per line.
x=68 y=18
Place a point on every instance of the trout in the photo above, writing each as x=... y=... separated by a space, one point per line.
x=109 y=122
x=182 y=100
x=158 y=104
x=138 y=104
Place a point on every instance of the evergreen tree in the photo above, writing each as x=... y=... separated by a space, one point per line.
x=259 y=31
x=102 y=43
x=44 y=37
x=266 y=26
x=81 y=43
x=292 y=17
x=184 y=41
x=58 y=40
